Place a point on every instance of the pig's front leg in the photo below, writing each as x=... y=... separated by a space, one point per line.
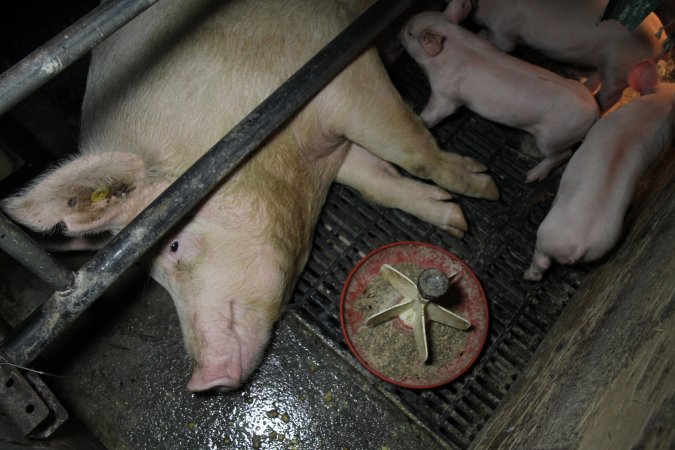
x=437 y=109
x=380 y=182
x=449 y=170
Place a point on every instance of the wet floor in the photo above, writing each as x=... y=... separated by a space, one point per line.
x=122 y=372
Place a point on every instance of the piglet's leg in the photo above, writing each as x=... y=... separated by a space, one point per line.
x=380 y=182
x=504 y=41
x=437 y=109
x=614 y=81
x=540 y=264
x=541 y=170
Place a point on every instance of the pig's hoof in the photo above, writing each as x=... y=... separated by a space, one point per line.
x=483 y=186
x=536 y=174
x=464 y=175
x=433 y=207
x=532 y=275
x=547 y=165
x=451 y=219
x=491 y=191
x=456 y=232
x=473 y=166
x=528 y=146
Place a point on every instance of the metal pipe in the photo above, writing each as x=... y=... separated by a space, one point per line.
x=50 y=59
x=31 y=255
x=35 y=333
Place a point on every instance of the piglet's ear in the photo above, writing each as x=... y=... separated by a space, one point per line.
x=644 y=78
x=432 y=42
x=456 y=10
x=89 y=194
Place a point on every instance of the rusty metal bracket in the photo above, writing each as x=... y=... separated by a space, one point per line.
x=19 y=401
x=28 y=402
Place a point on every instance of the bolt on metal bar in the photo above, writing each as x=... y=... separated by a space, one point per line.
x=67 y=47
x=31 y=255
x=94 y=277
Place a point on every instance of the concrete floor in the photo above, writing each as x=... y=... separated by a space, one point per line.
x=121 y=371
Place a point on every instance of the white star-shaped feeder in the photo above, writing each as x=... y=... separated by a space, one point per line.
x=418 y=304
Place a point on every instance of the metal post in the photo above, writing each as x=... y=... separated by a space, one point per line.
x=67 y=47
x=32 y=336
x=26 y=251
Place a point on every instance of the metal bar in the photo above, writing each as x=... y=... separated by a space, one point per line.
x=35 y=333
x=630 y=13
x=51 y=58
x=26 y=251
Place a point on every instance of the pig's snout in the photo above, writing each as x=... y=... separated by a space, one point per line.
x=227 y=368
x=219 y=378
x=216 y=369
x=225 y=354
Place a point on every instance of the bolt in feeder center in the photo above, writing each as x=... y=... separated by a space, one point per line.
x=414 y=315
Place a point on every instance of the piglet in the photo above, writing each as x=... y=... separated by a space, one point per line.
x=568 y=31
x=466 y=69
x=599 y=181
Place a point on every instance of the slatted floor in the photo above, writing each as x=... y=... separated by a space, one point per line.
x=498 y=248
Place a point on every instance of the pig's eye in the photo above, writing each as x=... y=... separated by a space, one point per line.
x=174 y=246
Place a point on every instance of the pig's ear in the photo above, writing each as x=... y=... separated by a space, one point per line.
x=432 y=42
x=644 y=78
x=89 y=194
x=454 y=11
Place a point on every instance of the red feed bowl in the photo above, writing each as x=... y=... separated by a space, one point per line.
x=468 y=301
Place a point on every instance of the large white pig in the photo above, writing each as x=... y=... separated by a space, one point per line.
x=466 y=69
x=599 y=181
x=168 y=86
x=568 y=31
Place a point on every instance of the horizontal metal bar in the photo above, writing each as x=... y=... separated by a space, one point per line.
x=67 y=47
x=33 y=335
x=31 y=255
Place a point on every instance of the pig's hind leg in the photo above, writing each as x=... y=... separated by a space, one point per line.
x=379 y=121
x=555 y=145
x=380 y=182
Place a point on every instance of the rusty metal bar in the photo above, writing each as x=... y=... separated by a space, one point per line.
x=31 y=255
x=67 y=47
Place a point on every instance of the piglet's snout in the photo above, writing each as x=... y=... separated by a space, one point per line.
x=225 y=353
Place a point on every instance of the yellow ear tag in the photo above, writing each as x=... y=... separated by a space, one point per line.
x=100 y=194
